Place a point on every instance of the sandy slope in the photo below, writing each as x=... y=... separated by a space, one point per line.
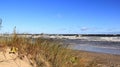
x=101 y=59
x=12 y=60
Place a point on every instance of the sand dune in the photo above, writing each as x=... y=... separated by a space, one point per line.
x=12 y=60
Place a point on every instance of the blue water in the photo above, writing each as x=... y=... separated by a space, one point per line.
x=95 y=46
x=96 y=49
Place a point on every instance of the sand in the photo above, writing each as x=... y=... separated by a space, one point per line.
x=12 y=60
x=100 y=59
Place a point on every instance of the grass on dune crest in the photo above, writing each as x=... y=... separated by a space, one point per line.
x=44 y=52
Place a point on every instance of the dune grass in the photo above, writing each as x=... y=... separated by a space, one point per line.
x=43 y=52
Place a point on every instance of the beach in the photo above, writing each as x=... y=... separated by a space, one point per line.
x=100 y=59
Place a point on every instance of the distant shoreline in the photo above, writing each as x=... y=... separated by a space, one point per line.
x=88 y=37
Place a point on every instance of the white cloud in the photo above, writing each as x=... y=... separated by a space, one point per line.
x=84 y=28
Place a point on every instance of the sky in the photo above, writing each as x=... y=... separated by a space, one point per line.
x=60 y=16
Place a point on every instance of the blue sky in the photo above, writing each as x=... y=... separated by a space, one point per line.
x=60 y=16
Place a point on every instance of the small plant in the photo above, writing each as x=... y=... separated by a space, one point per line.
x=73 y=60
x=13 y=50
